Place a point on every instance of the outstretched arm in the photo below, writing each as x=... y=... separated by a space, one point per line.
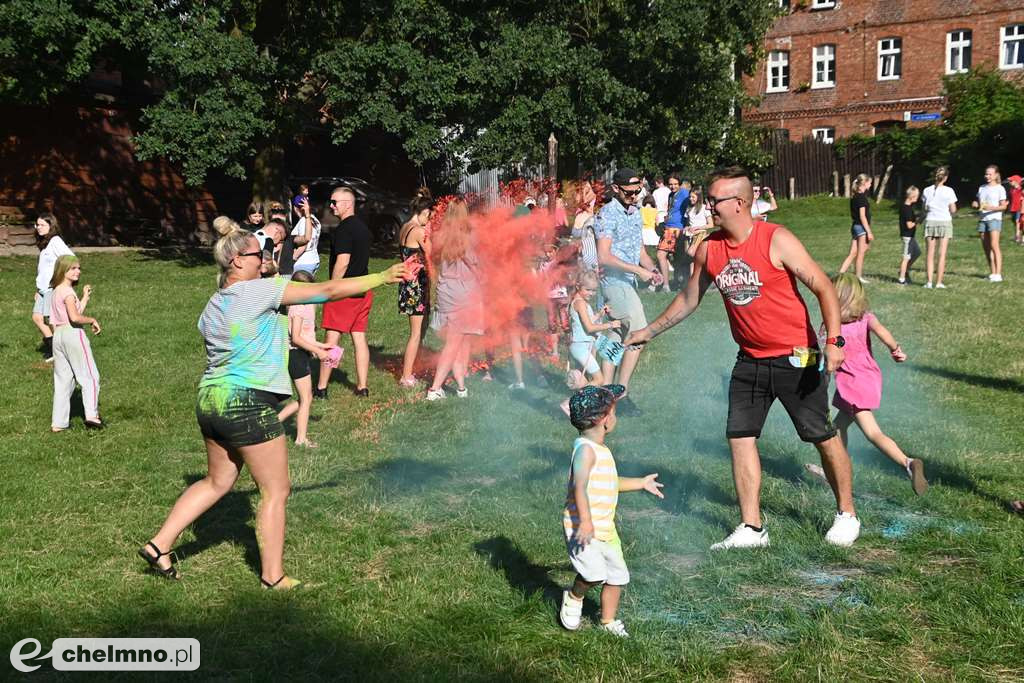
x=332 y=290
x=682 y=305
x=649 y=483
x=788 y=252
x=880 y=331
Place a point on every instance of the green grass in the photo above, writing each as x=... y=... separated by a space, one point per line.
x=433 y=531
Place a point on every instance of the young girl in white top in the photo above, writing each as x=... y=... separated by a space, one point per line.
x=51 y=247
x=584 y=326
x=990 y=203
x=72 y=354
x=940 y=201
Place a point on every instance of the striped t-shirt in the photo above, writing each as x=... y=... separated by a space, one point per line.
x=602 y=493
x=246 y=338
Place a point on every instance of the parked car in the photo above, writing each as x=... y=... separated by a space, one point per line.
x=383 y=211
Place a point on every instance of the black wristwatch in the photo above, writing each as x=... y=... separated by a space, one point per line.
x=838 y=341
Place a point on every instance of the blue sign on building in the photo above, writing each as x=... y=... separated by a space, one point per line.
x=921 y=116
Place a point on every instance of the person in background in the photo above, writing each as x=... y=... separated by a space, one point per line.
x=764 y=203
x=51 y=247
x=649 y=214
x=991 y=202
x=697 y=220
x=940 y=204
x=661 y=194
x=674 y=224
x=73 y=359
x=300 y=198
x=253 y=217
x=414 y=295
x=1016 y=197
x=860 y=228
x=306 y=237
x=908 y=234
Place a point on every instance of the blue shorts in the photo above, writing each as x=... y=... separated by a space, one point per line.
x=993 y=225
x=857 y=230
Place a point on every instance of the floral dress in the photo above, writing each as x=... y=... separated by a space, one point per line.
x=414 y=295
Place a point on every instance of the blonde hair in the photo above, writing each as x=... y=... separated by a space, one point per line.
x=585 y=279
x=860 y=181
x=853 y=301
x=999 y=176
x=454 y=236
x=232 y=243
x=910 y=190
x=940 y=175
x=61 y=268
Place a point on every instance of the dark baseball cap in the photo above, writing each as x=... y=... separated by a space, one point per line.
x=591 y=403
x=626 y=176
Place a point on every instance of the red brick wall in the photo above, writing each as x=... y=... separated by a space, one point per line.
x=79 y=163
x=859 y=99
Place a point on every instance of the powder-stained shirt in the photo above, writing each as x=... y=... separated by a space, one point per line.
x=246 y=339
x=624 y=227
x=602 y=492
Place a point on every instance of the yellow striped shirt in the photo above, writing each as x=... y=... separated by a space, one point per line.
x=602 y=492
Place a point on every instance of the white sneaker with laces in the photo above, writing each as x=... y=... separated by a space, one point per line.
x=616 y=628
x=571 y=611
x=845 y=530
x=435 y=394
x=940 y=286
x=995 y=277
x=516 y=386
x=462 y=393
x=928 y=285
x=743 y=537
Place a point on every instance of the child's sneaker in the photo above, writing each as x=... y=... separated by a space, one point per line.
x=928 y=285
x=743 y=537
x=845 y=530
x=572 y=610
x=940 y=286
x=462 y=393
x=616 y=628
x=915 y=470
x=516 y=386
x=435 y=394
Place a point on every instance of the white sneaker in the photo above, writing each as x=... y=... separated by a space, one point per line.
x=940 y=286
x=516 y=386
x=462 y=393
x=845 y=530
x=864 y=280
x=571 y=611
x=435 y=394
x=995 y=277
x=616 y=628
x=928 y=285
x=743 y=537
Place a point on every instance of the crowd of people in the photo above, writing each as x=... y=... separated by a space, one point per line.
x=481 y=276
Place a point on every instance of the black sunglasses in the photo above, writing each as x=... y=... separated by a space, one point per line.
x=335 y=202
x=631 y=193
x=717 y=200
x=252 y=253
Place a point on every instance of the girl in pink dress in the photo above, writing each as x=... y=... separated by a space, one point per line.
x=859 y=379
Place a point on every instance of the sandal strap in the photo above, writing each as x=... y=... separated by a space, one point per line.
x=272 y=585
x=159 y=553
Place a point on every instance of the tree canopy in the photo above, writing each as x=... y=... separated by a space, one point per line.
x=649 y=83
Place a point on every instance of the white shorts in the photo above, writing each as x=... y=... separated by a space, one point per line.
x=43 y=300
x=599 y=562
x=583 y=353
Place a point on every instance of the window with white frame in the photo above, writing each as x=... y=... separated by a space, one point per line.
x=826 y=135
x=778 y=71
x=823 y=4
x=890 y=59
x=1011 y=47
x=958 y=51
x=824 y=66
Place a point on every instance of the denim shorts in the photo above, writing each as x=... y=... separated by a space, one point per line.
x=857 y=230
x=991 y=225
x=43 y=302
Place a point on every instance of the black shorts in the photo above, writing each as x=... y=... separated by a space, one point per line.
x=298 y=363
x=757 y=382
x=238 y=416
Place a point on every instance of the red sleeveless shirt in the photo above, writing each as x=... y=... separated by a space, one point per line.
x=767 y=315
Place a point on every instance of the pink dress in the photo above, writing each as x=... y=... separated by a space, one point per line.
x=858 y=379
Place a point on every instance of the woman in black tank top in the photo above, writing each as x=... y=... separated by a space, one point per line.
x=414 y=295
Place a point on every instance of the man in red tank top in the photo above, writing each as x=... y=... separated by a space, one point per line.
x=755 y=266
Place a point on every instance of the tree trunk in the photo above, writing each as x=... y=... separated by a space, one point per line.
x=268 y=181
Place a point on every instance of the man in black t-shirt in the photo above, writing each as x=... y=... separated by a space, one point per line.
x=350 y=257
x=908 y=231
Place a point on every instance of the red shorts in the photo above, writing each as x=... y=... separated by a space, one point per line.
x=348 y=315
x=668 y=240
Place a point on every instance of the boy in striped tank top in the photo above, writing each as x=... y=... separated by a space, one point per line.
x=595 y=550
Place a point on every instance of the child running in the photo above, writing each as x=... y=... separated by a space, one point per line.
x=303 y=345
x=72 y=354
x=859 y=379
x=595 y=550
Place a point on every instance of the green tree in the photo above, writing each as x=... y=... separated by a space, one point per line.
x=643 y=82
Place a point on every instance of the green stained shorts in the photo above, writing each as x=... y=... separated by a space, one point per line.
x=238 y=416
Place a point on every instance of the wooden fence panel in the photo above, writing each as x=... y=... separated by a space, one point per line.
x=811 y=163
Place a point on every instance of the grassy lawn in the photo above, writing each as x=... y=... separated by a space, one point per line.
x=431 y=532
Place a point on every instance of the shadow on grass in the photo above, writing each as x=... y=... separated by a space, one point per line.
x=997 y=383
x=184 y=257
x=405 y=475
x=259 y=635
x=526 y=577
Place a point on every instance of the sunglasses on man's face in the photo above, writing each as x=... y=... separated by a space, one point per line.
x=631 y=193
x=713 y=201
x=335 y=202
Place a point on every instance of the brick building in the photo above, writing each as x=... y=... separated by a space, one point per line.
x=835 y=68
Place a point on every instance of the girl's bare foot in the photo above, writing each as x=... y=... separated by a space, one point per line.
x=306 y=443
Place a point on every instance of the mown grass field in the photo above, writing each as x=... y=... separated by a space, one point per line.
x=431 y=532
